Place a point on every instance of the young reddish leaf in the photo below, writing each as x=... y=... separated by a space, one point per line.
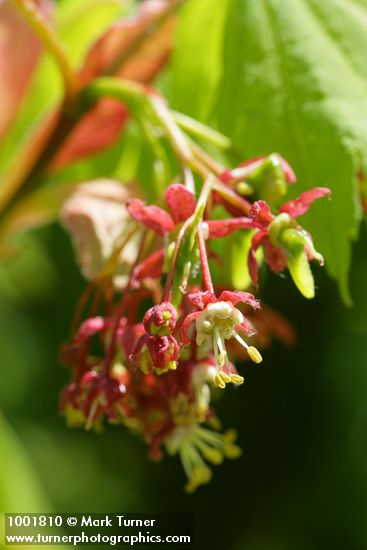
x=19 y=53
x=180 y=202
x=110 y=53
x=301 y=204
x=135 y=48
x=96 y=130
x=152 y=217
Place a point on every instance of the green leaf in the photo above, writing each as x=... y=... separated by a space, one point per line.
x=288 y=77
x=194 y=83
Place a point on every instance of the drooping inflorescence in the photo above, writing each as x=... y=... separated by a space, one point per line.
x=156 y=345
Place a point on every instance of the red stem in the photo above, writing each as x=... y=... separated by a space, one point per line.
x=120 y=310
x=207 y=279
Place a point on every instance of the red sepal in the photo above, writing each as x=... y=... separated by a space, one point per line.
x=261 y=214
x=222 y=228
x=152 y=217
x=180 y=202
x=184 y=331
x=202 y=299
x=301 y=204
x=236 y=296
x=151 y=267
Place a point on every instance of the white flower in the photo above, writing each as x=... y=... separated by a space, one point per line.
x=218 y=321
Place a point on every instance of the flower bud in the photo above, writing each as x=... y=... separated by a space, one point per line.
x=160 y=320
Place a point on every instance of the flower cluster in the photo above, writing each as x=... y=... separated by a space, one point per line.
x=150 y=355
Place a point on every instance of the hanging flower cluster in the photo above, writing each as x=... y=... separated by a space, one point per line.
x=151 y=353
x=157 y=332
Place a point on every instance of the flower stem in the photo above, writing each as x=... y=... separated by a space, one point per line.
x=207 y=279
x=136 y=95
x=232 y=197
x=199 y=130
x=196 y=216
x=51 y=42
x=206 y=160
x=121 y=307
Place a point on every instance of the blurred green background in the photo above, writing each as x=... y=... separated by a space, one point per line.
x=301 y=483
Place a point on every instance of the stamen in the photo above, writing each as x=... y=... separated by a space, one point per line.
x=240 y=340
x=237 y=379
x=223 y=353
x=227 y=379
x=254 y=354
x=218 y=381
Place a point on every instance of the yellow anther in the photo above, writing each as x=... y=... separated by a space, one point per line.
x=232 y=451
x=254 y=354
x=230 y=436
x=202 y=474
x=190 y=487
x=118 y=370
x=133 y=424
x=74 y=417
x=213 y=455
x=237 y=379
x=227 y=379
x=219 y=382
x=166 y=315
x=171 y=365
x=214 y=423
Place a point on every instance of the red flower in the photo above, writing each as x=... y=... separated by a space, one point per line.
x=93 y=397
x=286 y=244
x=220 y=320
x=157 y=350
x=181 y=204
x=247 y=168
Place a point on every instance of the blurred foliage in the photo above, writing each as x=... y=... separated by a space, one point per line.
x=79 y=23
x=302 y=416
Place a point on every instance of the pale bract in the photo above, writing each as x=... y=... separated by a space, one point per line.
x=96 y=217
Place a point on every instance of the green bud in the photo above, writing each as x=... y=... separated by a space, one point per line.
x=268 y=180
x=278 y=225
x=294 y=242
